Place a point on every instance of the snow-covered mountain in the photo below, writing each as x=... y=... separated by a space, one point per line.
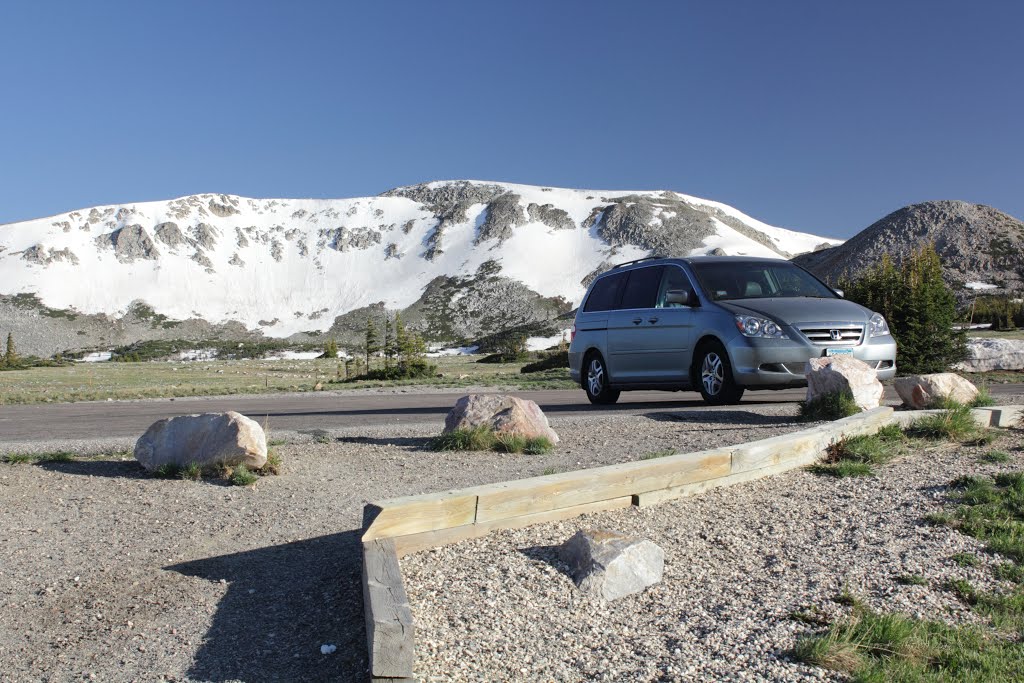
x=285 y=267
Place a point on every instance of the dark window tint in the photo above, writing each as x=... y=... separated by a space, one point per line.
x=674 y=279
x=605 y=294
x=642 y=288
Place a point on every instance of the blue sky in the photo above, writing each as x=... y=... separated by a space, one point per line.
x=818 y=116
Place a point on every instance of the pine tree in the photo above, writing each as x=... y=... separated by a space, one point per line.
x=11 y=357
x=389 y=343
x=919 y=307
x=372 y=343
x=331 y=349
x=402 y=348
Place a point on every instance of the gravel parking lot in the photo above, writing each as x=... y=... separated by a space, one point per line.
x=109 y=574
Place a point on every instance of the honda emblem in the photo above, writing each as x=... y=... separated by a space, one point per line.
x=836 y=335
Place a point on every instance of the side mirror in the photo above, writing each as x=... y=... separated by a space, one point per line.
x=685 y=297
x=841 y=293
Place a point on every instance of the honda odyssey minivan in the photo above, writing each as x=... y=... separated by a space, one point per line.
x=718 y=324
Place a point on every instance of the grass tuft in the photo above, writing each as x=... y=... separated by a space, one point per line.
x=954 y=423
x=18 y=458
x=272 y=466
x=996 y=457
x=983 y=399
x=483 y=438
x=192 y=471
x=242 y=476
x=854 y=456
x=911 y=580
x=663 y=453
x=966 y=559
x=167 y=471
x=829 y=407
x=476 y=439
x=843 y=469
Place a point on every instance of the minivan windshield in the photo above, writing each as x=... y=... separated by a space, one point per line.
x=758 y=280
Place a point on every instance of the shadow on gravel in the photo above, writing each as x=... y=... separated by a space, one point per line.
x=282 y=604
x=120 y=469
x=418 y=443
x=548 y=554
x=732 y=417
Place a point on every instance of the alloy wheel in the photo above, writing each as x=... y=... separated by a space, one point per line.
x=712 y=373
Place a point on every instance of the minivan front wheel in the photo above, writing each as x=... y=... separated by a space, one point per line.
x=596 y=381
x=714 y=375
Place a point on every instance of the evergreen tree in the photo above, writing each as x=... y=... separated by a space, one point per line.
x=11 y=357
x=919 y=307
x=331 y=349
x=402 y=347
x=372 y=343
x=389 y=341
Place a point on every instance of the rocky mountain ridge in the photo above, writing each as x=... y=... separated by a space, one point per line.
x=460 y=258
x=982 y=248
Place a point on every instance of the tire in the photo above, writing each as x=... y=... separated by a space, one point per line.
x=596 y=381
x=713 y=372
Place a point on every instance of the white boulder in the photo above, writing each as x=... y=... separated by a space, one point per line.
x=986 y=355
x=227 y=439
x=836 y=374
x=610 y=565
x=503 y=414
x=925 y=391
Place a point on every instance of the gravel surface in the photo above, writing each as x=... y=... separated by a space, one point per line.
x=108 y=574
x=739 y=562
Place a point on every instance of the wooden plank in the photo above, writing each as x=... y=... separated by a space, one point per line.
x=413 y=514
x=413 y=543
x=569 y=489
x=660 y=496
x=798 y=446
x=390 y=632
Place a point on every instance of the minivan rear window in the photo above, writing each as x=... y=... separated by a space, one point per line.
x=605 y=294
x=642 y=288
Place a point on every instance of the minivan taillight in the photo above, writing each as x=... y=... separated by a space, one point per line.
x=572 y=335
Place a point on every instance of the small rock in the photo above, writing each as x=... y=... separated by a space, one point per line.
x=328 y=649
x=611 y=565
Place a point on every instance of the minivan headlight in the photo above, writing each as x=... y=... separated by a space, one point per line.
x=877 y=327
x=752 y=326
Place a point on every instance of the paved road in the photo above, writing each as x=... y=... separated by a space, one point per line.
x=326 y=410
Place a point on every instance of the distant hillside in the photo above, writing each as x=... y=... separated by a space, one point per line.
x=980 y=247
x=460 y=259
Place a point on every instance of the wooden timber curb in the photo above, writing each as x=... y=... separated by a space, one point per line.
x=399 y=526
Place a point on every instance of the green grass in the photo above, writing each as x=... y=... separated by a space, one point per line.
x=911 y=580
x=192 y=471
x=483 y=438
x=996 y=457
x=18 y=458
x=272 y=466
x=843 y=469
x=954 y=423
x=983 y=399
x=877 y=647
x=829 y=407
x=855 y=456
x=663 y=453
x=476 y=439
x=242 y=476
x=167 y=471
x=550 y=470
x=966 y=559
x=100 y=381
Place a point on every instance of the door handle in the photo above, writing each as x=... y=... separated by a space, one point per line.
x=652 y=320
x=637 y=321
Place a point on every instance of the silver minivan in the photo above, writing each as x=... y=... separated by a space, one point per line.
x=718 y=324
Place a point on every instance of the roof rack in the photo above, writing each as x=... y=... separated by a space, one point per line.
x=629 y=263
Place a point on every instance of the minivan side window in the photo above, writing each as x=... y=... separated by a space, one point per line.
x=605 y=294
x=674 y=278
x=642 y=288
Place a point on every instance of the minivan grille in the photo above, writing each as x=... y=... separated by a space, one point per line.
x=839 y=335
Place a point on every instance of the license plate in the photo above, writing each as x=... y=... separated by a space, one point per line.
x=838 y=352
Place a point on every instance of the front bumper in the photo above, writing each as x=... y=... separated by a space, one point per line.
x=780 y=362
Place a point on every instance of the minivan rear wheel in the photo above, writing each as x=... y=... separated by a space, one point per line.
x=714 y=376
x=596 y=381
